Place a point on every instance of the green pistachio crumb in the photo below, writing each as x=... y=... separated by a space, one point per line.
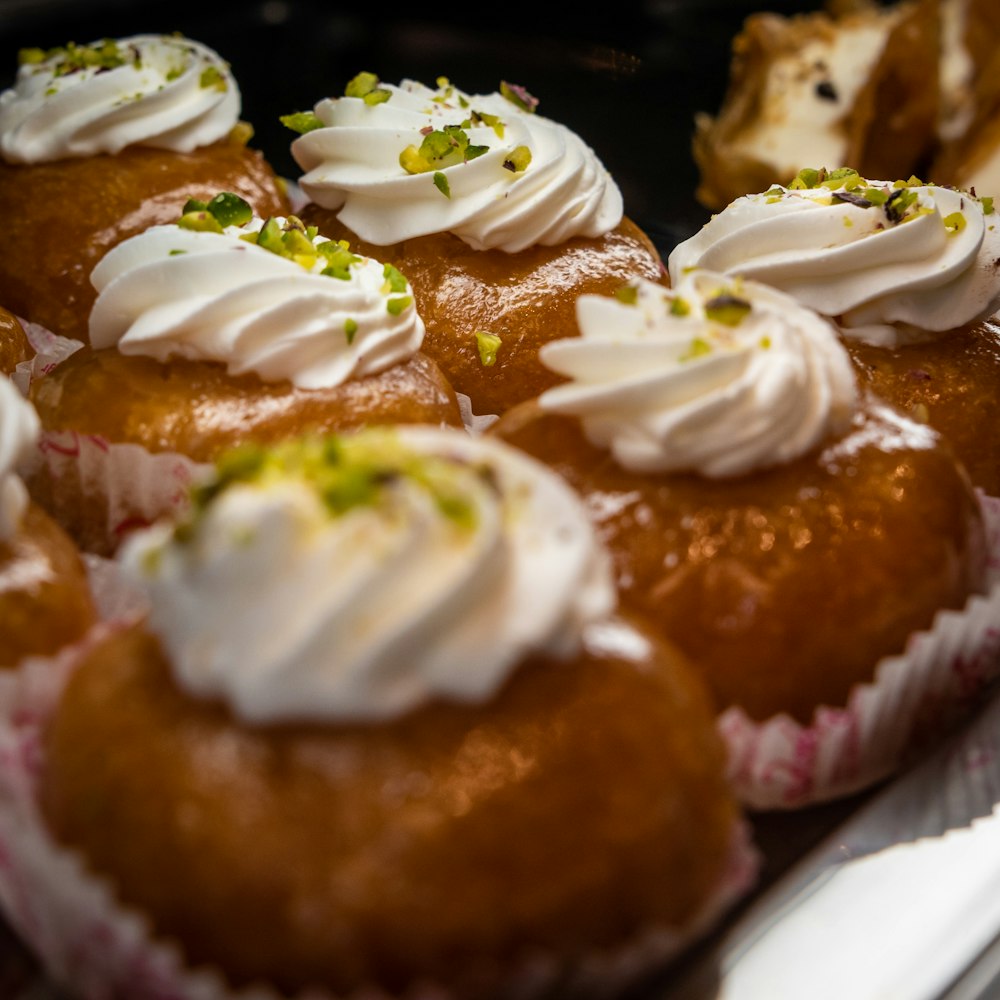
x=488 y=345
x=728 y=309
x=350 y=329
x=30 y=56
x=765 y=343
x=301 y=122
x=519 y=159
x=987 y=203
x=954 y=223
x=441 y=183
x=395 y=305
x=395 y=280
x=200 y=221
x=230 y=209
x=339 y=258
x=698 y=348
x=518 y=96
x=627 y=294
x=679 y=307
x=212 y=78
x=176 y=253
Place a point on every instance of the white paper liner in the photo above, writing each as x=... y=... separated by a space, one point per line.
x=474 y=423
x=50 y=349
x=915 y=698
x=84 y=938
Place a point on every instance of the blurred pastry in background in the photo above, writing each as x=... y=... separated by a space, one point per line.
x=858 y=87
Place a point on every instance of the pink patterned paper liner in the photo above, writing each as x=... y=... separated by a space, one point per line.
x=50 y=349
x=915 y=697
x=90 y=943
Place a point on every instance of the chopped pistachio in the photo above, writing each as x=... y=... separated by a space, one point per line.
x=269 y=237
x=176 y=253
x=212 y=78
x=395 y=305
x=518 y=96
x=730 y=310
x=441 y=183
x=698 y=348
x=200 y=221
x=194 y=205
x=628 y=294
x=764 y=343
x=338 y=257
x=230 y=209
x=30 y=57
x=350 y=329
x=519 y=159
x=954 y=223
x=394 y=278
x=488 y=345
x=241 y=134
x=484 y=118
x=987 y=203
x=301 y=122
x=679 y=306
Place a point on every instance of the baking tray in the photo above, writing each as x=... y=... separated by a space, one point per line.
x=630 y=83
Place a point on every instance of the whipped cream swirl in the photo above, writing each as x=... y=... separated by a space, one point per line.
x=19 y=427
x=220 y=296
x=884 y=260
x=148 y=90
x=715 y=377
x=352 y=163
x=359 y=577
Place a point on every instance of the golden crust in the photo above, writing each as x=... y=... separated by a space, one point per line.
x=14 y=344
x=64 y=216
x=45 y=600
x=786 y=586
x=198 y=410
x=583 y=803
x=889 y=129
x=527 y=299
x=951 y=382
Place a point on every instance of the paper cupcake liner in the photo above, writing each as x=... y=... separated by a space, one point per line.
x=50 y=349
x=914 y=699
x=99 y=490
x=86 y=940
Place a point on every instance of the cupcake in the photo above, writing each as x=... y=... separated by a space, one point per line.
x=500 y=218
x=786 y=530
x=45 y=600
x=219 y=329
x=99 y=142
x=860 y=88
x=385 y=734
x=909 y=271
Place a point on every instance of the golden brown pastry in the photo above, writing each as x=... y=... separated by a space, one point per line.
x=468 y=799
x=14 y=344
x=207 y=338
x=784 y=532
x=499 y=217
x=45 y=599
x=909 y=272
x=80 y=170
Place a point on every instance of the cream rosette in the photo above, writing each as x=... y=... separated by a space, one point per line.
x=502 y=177
x=883 y=259
x=162 y=91
x=715 y=376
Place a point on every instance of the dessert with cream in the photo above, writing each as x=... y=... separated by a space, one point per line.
x=499 y=216
x=861 y=88
x=909 y=271
x=384 y=728
x=783 y=527
x=45 y=599
x=99 y=142
x=225 y=327
x=14 y=344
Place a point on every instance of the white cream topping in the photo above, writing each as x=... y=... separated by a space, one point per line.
x=715 y=377
x=290 y=612
x=809 y=94
x=879 y=278
x=19 y=429
x=149 y=90
x=352 y=163
x=175 y=292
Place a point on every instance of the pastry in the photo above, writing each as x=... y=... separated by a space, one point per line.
x=45 y=600
x=14 y=344
x=224 y=328
x=784 y=529
x=909 y=271
x=99 y=142
x=499 y=217
x=861 y=88
x=324 y=788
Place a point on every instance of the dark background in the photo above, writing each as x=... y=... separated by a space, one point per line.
x=627 y=76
